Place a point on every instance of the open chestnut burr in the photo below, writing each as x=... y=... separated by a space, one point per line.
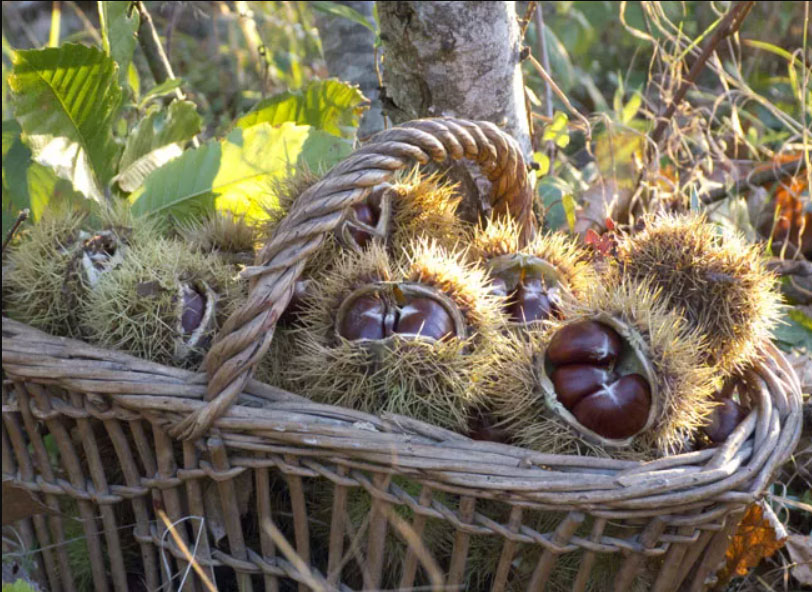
x=380 y=311
x=530 y=286
x=368 y=220
x=598 y=381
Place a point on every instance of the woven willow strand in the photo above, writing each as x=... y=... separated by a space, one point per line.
x=247 y=334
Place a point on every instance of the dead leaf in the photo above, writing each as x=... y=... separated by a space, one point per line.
x=758 y=536
x=800 y=552
x=19 y=503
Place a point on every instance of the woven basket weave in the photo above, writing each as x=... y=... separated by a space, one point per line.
x=172 y=433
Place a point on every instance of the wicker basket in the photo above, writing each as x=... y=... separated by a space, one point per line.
x=178 y=435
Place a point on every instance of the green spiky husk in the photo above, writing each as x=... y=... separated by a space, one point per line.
x=145 y=324
x=684 y=386
x=501 y=237
x=437 y=382
x=220 y=232
x=43 y=281
x=424 y=206
x=718 y=281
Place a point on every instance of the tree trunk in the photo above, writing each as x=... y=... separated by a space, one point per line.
x=349 y=50
x=455 y=59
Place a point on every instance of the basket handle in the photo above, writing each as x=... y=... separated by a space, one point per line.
x=247 y=334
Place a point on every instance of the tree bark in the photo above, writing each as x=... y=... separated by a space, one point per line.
x=349 y=50
x=458 y=59
x=454 y=58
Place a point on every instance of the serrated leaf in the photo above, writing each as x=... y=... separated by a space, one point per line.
x=118 y=30
x=16 y=160
x=328 y=105
x=160 y=90
x=157 y=139
x=46 y=190
x=343 y=11
x=236 y=173
x=65 y=99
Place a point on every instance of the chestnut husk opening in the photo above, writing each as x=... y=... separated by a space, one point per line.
x=375 y=322
x=195 y=305
x=368 y=220
x=530 y=284
x=632 y=359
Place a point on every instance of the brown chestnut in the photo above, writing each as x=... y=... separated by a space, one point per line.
x=499 y=287
x=575 y=381
x=617 y=410
x=584 y=342
x=365 y=318
x=426 y=317
x=723 y=420
x=530 y=302
x=194 y=308
x=365 y=214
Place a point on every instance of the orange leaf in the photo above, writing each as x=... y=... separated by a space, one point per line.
x=758 y=536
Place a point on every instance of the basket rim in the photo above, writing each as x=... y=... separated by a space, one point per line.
x=299 y=435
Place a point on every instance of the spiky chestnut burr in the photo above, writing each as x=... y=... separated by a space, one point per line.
x=161 y=303
x=223 y=232
x=412 y=336
x=534 y=278
x=60 y=259
x=619 y=375
x=713 y=277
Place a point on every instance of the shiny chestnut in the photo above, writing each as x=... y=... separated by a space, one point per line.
x=584 y=342
x=530 y=302
x=723 y=420
x=575 y=381
x=426 y=317
x=366 y=318
x=365 y=214
x=617 y=410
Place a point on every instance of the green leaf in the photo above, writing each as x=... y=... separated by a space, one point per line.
x=560 y=63
x=329 y=105
x=552 y=190
x=157 y=139
x=544 y=163
x=118 y=30
x=795 y=331
x=65 y=99
x=557 y=130
x=16 y=160
x=631 y=108
x=160 y=90
x=236 y=173
x=568 y=202
x=342 y=10
x=46 y=191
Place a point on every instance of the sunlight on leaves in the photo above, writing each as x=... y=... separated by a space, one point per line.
x=65 y=100
x=328 y=105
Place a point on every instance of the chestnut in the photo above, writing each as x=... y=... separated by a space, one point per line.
x=617 y=410
x=575 y=381
x=194 y=307
x=366 y=318
x=723 y=420
x=365 y=214
x=530 y=302
x=584 y=342
x=426 y=317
